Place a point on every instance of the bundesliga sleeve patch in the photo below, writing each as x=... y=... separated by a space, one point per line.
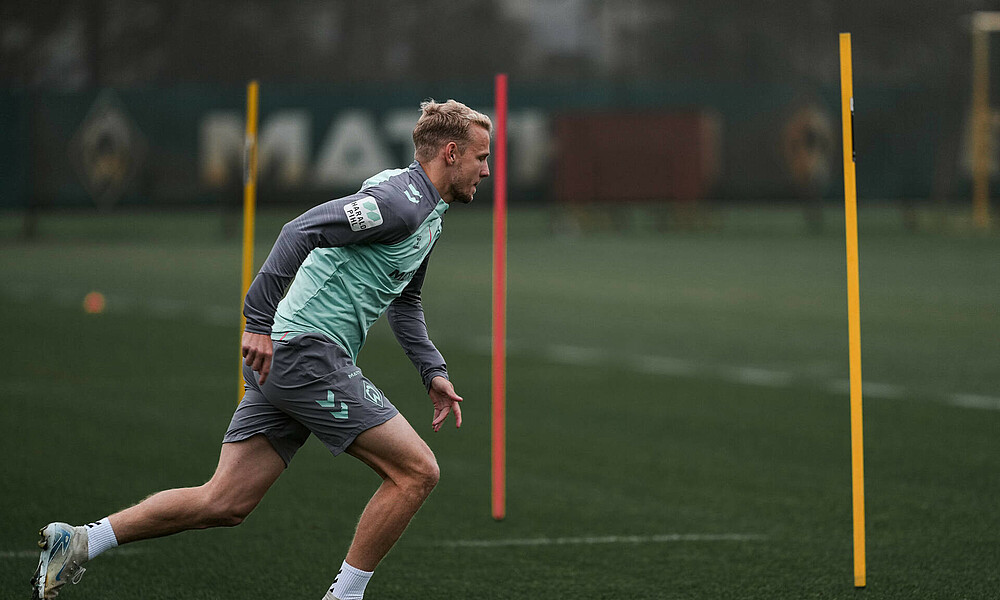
x=363 y=214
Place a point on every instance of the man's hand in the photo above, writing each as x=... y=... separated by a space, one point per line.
x=257 y=350
x=445 y=400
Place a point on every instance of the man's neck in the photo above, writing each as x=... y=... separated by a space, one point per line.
x=436 y=175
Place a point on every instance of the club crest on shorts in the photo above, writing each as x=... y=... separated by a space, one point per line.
x=373 y=395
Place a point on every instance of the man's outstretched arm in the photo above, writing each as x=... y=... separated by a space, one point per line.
x=406 y=318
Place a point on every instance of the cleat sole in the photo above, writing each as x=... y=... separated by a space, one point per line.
x=38 y=580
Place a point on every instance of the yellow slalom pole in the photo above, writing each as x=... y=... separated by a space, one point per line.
x=249 y=207
x=853 y=307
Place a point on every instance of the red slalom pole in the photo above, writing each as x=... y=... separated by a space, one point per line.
x=499 y=432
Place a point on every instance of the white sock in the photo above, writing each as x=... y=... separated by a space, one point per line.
x=350 y=583
x=100 y=537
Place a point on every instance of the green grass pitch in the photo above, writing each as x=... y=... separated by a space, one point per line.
x=678 y=420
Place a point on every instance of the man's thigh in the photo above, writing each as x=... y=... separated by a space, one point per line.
x=393 y=449
x=247 y=469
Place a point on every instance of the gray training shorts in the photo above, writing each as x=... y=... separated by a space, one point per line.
x=313 y=387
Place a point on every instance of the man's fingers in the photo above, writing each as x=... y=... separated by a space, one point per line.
x=257 y=350
x=440 y=414
x=445 y=401
x=259 y=362
x=265 y=369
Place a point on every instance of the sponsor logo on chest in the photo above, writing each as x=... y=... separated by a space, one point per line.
x=402 y=275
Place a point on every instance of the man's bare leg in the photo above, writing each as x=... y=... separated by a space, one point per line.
x=409 y=472
x=245 y=472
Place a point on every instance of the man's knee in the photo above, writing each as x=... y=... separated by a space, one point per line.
x=225 y=509
x=423 y=475
x=233 y=514
x=236 y=487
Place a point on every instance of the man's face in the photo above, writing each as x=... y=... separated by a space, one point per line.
x=470 y=167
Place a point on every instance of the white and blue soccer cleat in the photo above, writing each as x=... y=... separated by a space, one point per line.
x=64 y=550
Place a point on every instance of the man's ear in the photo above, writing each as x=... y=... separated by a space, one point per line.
x=450 y=153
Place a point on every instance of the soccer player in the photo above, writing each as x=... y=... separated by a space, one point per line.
x=330 y=275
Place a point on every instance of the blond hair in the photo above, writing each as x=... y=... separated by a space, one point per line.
x=443 y=122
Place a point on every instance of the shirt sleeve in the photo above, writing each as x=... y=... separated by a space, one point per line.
x=357 y=219
x=406 y=318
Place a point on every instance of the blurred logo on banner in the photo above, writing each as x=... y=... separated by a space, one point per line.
x=808 y=145
x=108 y=150
x=356 y=143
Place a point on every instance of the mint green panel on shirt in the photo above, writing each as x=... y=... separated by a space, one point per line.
x=342 y=291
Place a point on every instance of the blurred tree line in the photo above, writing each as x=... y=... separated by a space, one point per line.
x=75 y=44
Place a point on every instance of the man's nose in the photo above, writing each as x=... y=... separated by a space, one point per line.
x=485 y=171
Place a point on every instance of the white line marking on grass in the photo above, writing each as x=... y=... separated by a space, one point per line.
x=608 y=539
x=166 y=307
x=752 y=376
x=583 y=356
x=975 y=401
x=869 y=389
x=575 y=355
x=839 y=386
x=663 y=365
x=888 y=391
x=483 y=345
x=19 y=554
x=220 y=315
